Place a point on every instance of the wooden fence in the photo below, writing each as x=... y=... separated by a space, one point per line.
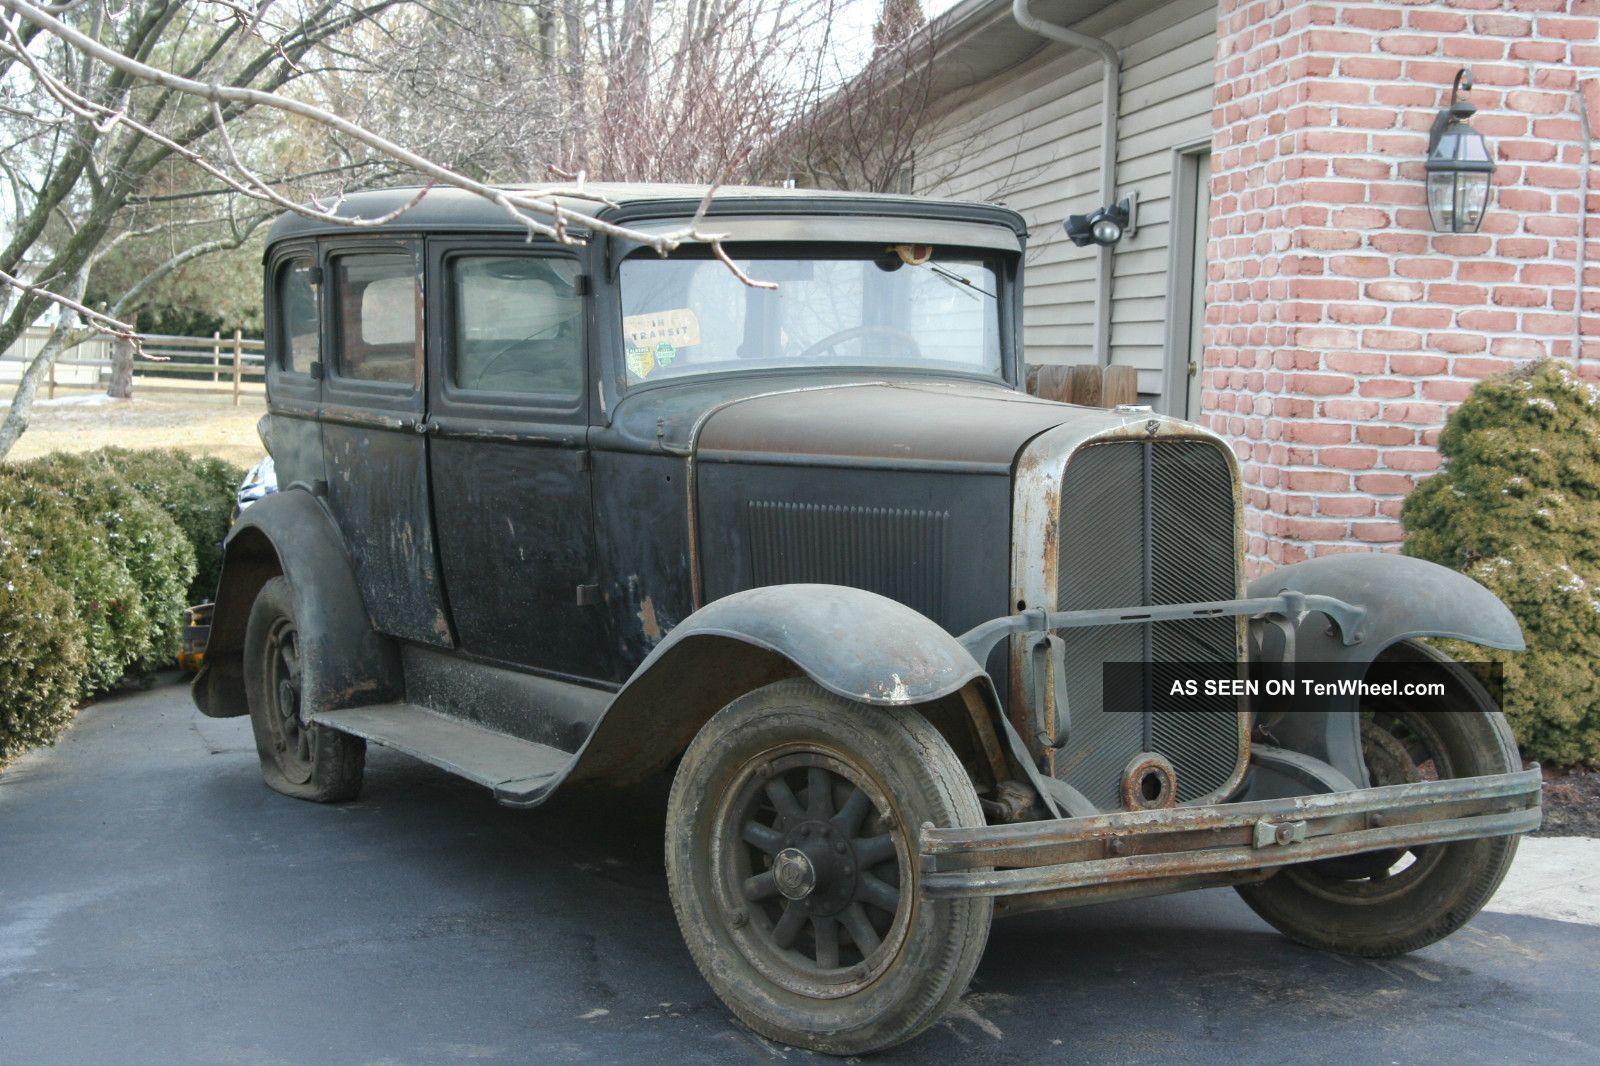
x=235 y=365
x=226 y=365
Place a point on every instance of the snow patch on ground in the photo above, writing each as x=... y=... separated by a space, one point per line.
x=1553 y=877
x=76 y=401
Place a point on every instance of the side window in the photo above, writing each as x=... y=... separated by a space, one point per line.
x=376 y=295
x=298 y=343
x=518 y=325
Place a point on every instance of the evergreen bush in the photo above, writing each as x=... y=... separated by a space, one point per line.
x=1517 y=507
x=144 y=538
x=46 y=530
x=42 y=652
x=196 y=491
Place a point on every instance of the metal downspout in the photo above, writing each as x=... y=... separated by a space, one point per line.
x=1583 y=229
x=1111 y=92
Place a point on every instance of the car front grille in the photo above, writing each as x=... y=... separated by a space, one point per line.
x=1141 y=523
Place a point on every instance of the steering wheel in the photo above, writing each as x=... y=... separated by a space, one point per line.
x=838 y=337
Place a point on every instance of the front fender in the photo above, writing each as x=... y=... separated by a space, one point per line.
x=1404 y=599
x=856 y=644
x=345 y=662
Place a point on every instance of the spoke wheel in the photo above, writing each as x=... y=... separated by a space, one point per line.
x=813 y=858
x=298 y=758
x=791 y=851
x=1389 y=902
x=293 y=741
x=1401 y=746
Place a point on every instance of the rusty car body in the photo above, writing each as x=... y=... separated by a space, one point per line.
x=574 y=515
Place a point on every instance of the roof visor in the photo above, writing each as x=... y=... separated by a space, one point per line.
x=856 y=229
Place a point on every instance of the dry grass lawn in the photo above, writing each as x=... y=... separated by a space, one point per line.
x=80 y=421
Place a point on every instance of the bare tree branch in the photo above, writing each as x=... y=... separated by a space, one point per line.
x=104 y=321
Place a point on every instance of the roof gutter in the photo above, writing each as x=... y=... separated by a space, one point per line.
x=1111 y=94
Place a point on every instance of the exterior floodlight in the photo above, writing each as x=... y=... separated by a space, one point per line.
x=1105 y=226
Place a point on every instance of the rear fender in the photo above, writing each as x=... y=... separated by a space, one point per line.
x=856 y=644
x=1404 y=599
x=344 y=662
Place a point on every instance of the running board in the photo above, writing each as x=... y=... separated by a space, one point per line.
x=520 y=772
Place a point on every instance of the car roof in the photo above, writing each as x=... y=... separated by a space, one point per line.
x=447 y=208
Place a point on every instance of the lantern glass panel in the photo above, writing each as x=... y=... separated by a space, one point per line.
x=1442 y=201
x=1472 y=197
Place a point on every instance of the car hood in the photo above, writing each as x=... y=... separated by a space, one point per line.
x=925 y=423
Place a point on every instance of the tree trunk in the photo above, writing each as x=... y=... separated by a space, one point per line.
x=16 y=419
x=577 y=134
x=121 y=369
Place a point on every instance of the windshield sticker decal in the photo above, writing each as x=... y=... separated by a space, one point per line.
x=678 y=328
x=640 y=360
x=666 y=352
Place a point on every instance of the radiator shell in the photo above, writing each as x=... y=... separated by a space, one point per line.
x=1134 y=510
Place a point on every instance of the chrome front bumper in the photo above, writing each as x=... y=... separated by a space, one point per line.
x=1068 y=861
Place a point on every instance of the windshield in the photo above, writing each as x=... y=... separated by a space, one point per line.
x=904 y=306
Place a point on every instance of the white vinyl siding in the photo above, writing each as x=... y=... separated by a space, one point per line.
x=1031 y=139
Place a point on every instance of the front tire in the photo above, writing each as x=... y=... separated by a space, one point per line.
x=792 y=863
x=1388 y=903
x=299 y=759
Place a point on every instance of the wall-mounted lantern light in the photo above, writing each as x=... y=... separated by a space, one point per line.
x=1459 y=165
x=1105 y=225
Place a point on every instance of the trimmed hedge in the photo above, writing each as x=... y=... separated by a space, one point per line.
x=145 y=539
x=196 y=491
x=46 y=528
x=96 y=567
x=1517 y=507
x=42 y=653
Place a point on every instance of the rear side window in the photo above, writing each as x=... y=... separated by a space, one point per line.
x=377 y=317
x=298 y=343
x=518 y=325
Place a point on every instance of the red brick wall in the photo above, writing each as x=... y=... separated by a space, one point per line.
x=1340 y=328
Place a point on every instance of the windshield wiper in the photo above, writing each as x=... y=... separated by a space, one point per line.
x=960 y=282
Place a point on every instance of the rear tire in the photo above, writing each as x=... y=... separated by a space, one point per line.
x=1392 y=902
x=792 y=862
x=306 y=761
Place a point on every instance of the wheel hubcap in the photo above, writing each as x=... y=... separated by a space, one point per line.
x=794 y=873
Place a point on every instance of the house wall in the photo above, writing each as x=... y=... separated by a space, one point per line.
x=1340 y=329
x=1031 y=138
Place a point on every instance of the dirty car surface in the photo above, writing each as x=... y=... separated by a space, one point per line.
x=561 y=515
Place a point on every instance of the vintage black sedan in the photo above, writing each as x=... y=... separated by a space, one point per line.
x=556 y=515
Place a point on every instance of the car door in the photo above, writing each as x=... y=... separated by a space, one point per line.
x=511 y=474
x=374 y=449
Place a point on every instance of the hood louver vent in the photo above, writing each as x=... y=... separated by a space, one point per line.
x=895 y=552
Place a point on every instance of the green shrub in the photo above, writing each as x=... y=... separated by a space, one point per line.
x=197 y=491
x=46 y=529
x=221 y=479
x=1517 y=507
x=42 y=652
x=145 y=539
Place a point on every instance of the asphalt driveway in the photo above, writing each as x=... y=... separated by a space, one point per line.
x=159 y=905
